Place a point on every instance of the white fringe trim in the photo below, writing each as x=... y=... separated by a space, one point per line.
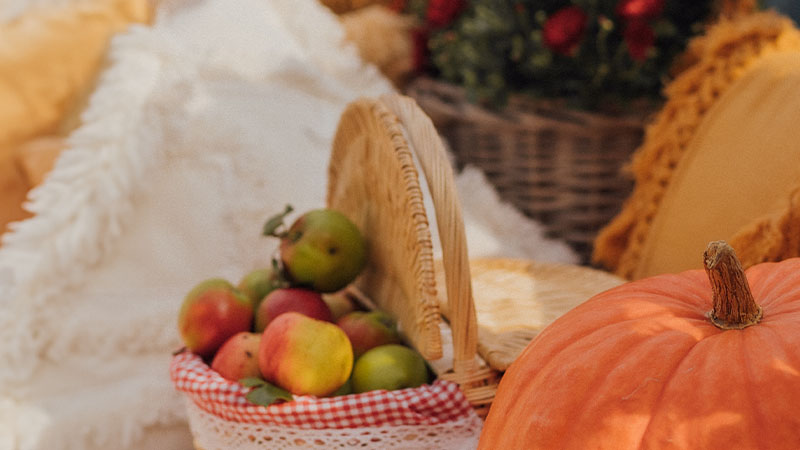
x=80 y=210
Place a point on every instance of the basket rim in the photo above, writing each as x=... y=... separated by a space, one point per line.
x=437 y=402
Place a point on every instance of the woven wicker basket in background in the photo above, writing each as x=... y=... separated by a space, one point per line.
x=559 y=166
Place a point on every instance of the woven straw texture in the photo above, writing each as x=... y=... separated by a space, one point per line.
x=515 y=299
x=375 y=181
x=559 y=166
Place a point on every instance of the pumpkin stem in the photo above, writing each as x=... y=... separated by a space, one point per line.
x=734 y=305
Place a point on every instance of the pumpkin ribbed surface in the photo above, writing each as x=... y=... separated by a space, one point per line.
x=642 y=366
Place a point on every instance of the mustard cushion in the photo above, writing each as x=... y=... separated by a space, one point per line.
x=50 y=57
x=742 y=164
x=720 y=108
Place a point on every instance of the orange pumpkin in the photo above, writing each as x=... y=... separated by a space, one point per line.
x=681 y=361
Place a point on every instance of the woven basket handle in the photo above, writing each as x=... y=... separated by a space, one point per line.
x=428 y=147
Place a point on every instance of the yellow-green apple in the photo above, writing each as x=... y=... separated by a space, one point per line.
x=339 y=303
x=305 y=356
x=257 y=283
x=368 y=329
x=324 y=250
x=282 y=300
x=345 y=389
x=238 y=357
x=389 y=367
x=212 y=312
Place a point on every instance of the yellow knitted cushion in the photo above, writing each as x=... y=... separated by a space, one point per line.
x=720 y=159
x=742 y=164
x=49 y=58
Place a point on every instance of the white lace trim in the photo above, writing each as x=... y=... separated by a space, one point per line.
x=212 y=433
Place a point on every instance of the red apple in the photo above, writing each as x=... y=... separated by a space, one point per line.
x=282 y=300
x=212 y=312
x=305 y=356
x=368 y=329
x=238 y=357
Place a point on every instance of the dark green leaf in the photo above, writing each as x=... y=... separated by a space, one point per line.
x=252 y=382
x=275 y=222
x=267 y=394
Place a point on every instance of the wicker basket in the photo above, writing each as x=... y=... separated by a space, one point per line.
x=374 y=180
x=385 y=151
x=559 y=166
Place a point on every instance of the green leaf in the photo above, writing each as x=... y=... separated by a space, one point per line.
x=252 y=382
x=268 y=394
x=275 y=222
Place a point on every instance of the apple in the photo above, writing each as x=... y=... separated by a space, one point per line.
x=368 y=329
x=389 y=367
x=238 y=357
x=212 y=312
x=257 y=283
x=305 y=356
x=339 y=303
x=282 y=300
x=345 y=389
x=324 y=250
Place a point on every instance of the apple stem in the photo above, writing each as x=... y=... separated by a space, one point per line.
x=734 y=307
x=361 y=298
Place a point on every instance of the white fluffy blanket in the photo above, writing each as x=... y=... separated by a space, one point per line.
x=204 y=125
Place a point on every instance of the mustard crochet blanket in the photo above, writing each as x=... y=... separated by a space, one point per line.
x=715 y=62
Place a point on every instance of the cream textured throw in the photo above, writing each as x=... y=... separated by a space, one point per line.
x=203 y=126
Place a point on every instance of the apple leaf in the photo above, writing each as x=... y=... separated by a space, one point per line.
x=275 y=222
x=252 y=382
x=267 y=394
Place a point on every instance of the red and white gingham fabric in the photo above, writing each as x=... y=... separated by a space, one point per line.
x=431 y=404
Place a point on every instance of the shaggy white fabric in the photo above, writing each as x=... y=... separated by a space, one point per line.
x=204 y=125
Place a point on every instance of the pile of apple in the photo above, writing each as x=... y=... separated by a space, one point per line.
x=291 y=328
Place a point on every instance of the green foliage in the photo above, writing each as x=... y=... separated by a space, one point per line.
x=271 y=227
x=496 y=47
x=264 y=393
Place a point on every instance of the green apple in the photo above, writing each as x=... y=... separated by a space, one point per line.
x=322 y=249
x=257 y=283
x=346 y=389
x=389 y=367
